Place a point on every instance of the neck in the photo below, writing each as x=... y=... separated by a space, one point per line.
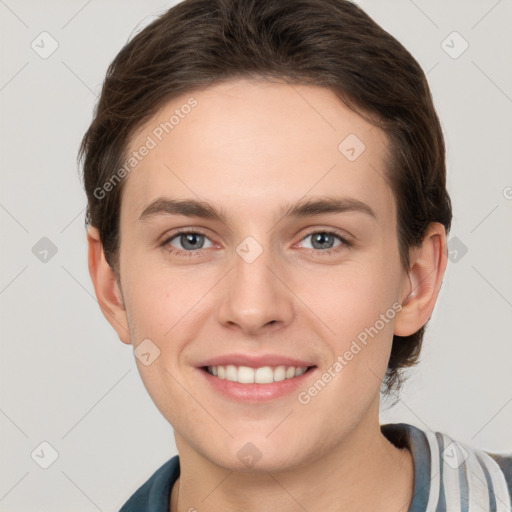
x=363 y=472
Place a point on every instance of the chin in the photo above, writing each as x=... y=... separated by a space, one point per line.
x=254 y=457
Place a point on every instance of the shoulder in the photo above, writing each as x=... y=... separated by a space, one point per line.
x=476 y=474
x=153 y=495
x=504 y=461
x=452 y=475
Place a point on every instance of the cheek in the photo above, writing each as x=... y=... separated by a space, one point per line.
x=160 y=307
x=357 y=306
x=359 y=310
x=342 y=300
x=159 y=299
x=350 y=298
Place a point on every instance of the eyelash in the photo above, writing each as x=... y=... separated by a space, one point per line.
x=324 y=252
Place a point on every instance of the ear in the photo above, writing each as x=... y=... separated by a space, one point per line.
x=428 y=264
x=106 y=287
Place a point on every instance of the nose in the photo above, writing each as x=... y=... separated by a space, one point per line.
x=256 y=297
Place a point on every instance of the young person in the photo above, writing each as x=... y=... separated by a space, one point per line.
x=267 y=219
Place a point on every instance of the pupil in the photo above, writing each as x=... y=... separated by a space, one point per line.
x=323 y=238
x=191 y=239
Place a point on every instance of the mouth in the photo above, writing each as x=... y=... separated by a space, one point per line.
x=256 y=385
x=261 y=375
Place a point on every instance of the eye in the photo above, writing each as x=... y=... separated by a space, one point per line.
x=186 y=242
x=325 y=240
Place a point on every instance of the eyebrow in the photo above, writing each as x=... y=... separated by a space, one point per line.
x=302 y=208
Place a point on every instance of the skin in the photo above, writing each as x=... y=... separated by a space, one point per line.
x=248 y=148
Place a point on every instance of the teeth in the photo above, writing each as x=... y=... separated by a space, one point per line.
x=300 y=371
x=245 y=375
x=290 y=372
x=263 y=375
x=280 y=373
x=231 y=373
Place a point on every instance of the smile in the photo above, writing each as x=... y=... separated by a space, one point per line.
x=261 y=375
x=256 y=385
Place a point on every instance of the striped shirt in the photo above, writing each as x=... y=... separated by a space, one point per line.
x=448 y=476
x=451 y=476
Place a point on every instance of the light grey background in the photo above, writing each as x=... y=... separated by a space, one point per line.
x=65 y=377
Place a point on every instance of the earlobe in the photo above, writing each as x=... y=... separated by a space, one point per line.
x=428 y=264
x=106 y=287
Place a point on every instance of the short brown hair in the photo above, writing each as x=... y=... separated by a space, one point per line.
x=328 y=43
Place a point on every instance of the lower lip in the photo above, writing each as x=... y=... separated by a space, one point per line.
x=256 y=393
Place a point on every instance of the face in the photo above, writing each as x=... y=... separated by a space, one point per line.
x=289 y=260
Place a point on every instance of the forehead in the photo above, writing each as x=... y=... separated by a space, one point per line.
x=241 y=141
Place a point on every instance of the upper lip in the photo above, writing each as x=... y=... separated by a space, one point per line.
x=254 y=361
